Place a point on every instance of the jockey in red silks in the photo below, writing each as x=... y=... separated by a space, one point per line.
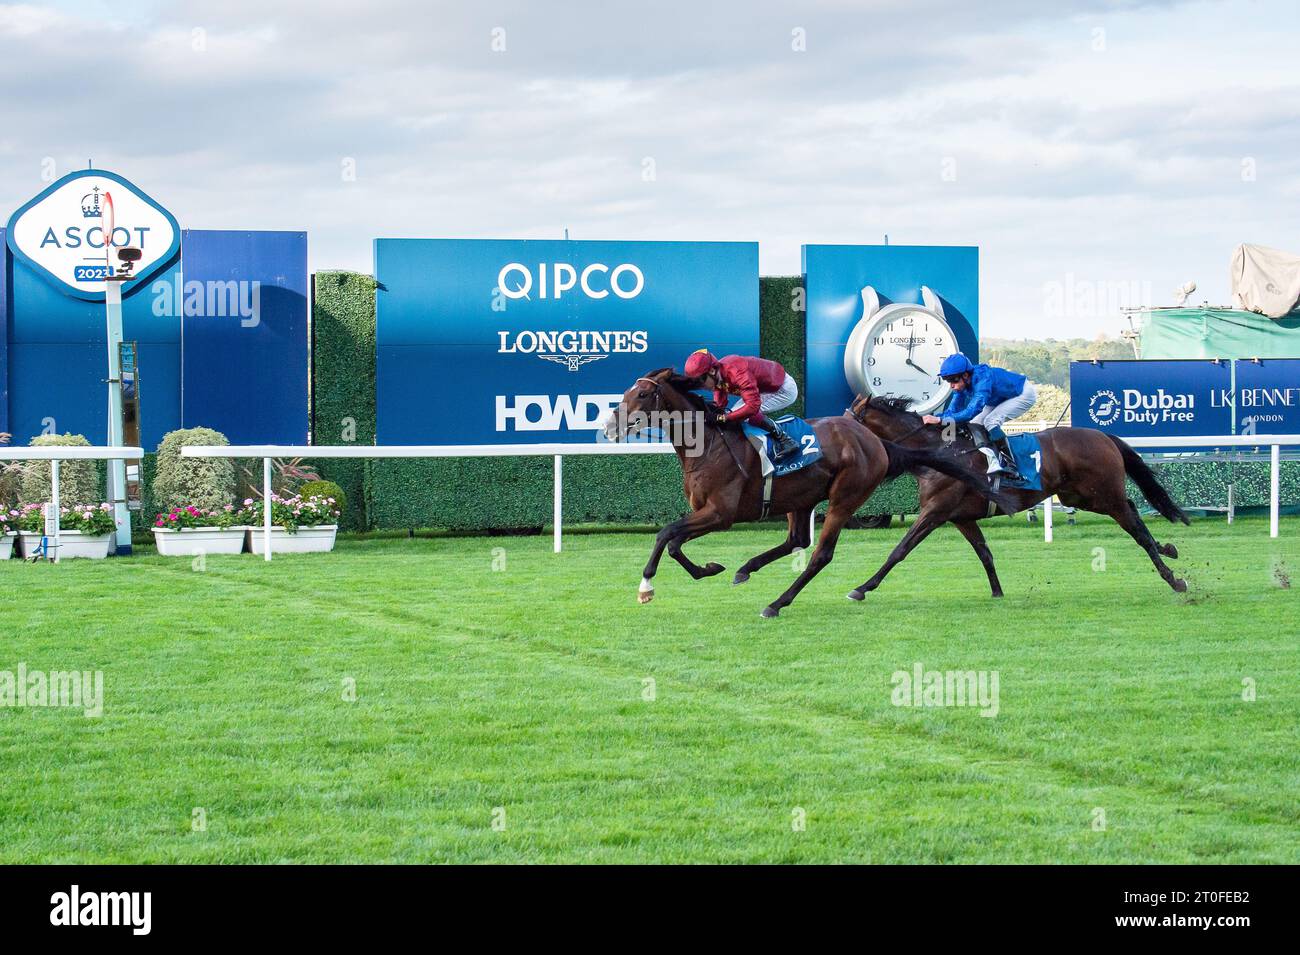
x=763 y=386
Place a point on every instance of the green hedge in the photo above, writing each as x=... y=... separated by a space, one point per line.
x=515 y=493
x=343 y=380
x=781 y=325
x=504 y=493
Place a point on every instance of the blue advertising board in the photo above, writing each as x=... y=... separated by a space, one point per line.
x=221 y=330
x=834 y=277
x=1268 y=396
x=486 y=341
x=4 y=339
x=1148 y=399
x=244 y=359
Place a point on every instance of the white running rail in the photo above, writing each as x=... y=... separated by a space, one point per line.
x=1274 y=442
x=71 y=452
x=268 y=452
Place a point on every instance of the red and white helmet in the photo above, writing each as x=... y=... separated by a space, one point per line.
x=699 y=364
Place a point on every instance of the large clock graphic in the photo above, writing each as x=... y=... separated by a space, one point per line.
x=895 y=351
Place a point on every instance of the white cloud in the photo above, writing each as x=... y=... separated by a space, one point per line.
x=1120 y=165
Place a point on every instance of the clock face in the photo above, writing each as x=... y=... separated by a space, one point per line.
x=901 y=351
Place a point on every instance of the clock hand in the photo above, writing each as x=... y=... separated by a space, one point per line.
x=918 y=367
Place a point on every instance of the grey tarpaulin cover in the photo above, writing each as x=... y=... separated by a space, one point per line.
x=1265 y=280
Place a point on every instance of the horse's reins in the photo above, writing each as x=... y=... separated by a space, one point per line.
x=859 y=419
x=725 y=443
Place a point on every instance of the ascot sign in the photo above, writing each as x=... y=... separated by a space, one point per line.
x=60 y=233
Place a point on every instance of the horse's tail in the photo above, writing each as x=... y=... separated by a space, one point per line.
x=903 y=459
x=1147 y=482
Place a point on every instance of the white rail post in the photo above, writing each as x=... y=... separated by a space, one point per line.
x=1232 y=504
x=812 y=528
x=557 y=510
x=58 y=511
x=1274 y=480
x=1047 y=519
x=266 y=508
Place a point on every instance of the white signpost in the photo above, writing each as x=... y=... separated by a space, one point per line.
x=95 y=236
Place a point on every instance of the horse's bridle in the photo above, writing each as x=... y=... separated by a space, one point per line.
x=659 y=397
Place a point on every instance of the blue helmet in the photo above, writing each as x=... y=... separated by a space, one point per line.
x=955 y=364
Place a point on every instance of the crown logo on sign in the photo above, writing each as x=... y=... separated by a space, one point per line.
x=90 y=205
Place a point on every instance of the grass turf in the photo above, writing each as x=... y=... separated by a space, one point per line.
x=520 y=697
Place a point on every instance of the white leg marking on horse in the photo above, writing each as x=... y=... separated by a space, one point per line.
x=646 y=586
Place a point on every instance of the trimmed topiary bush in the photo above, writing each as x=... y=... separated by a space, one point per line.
x=79 y=481
x=205 y=483
x=326 y=489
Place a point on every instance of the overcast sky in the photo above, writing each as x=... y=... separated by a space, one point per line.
x=1098 y=153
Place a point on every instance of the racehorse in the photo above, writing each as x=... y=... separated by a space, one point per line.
x=724 y=481
x=1084 y=467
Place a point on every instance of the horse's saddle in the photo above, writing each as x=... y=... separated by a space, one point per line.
x=1028 y=454
x=804 y=436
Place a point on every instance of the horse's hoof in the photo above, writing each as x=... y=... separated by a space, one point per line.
x=1169 y=550
x=713 y=567
x=997 y=593
x=1180 y=585
x=857 y=595
x=644 y=596
x=740 y=578
x=769 y=612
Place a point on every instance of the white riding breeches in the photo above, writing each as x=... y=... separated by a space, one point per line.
x=780 y=399
x=994 y=415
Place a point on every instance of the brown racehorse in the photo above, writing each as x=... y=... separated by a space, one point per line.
x=1083 y=467
x=724 y=480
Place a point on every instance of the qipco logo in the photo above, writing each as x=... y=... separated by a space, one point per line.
x=1104 y=408
x=553 y=280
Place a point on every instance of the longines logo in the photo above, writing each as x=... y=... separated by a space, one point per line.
x=571 y=348
x=1104 y=408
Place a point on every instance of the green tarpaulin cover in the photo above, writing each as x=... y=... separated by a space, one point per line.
x=1217 y=333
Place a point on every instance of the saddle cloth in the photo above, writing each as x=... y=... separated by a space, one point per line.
x=810 y=449
x=1029 y=460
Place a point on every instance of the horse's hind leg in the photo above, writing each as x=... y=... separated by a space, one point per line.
x=971 y=531
x=836 y=517
x=799 y=536
x=1127 y=517
x=1169 y=550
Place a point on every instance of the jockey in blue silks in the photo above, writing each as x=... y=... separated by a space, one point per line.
x=984 y=397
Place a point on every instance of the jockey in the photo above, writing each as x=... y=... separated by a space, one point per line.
x=763 y=386
x=984 y=397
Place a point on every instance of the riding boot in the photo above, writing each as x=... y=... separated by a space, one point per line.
x=979 y=434
x=1003 y=445
x=784 y=445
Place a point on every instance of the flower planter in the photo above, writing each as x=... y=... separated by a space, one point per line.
x=306 y=540
x=71 y=544
x=6 y=545
x=191 y=541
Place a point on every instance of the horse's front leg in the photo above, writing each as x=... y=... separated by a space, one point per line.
x=672 y=537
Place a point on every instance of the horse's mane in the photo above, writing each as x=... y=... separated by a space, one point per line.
x=894 y=405
x=681 y=384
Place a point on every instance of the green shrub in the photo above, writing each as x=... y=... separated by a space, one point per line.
x=79 y=481
x=326 y=489
x=206 y=483
x=343 y=379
